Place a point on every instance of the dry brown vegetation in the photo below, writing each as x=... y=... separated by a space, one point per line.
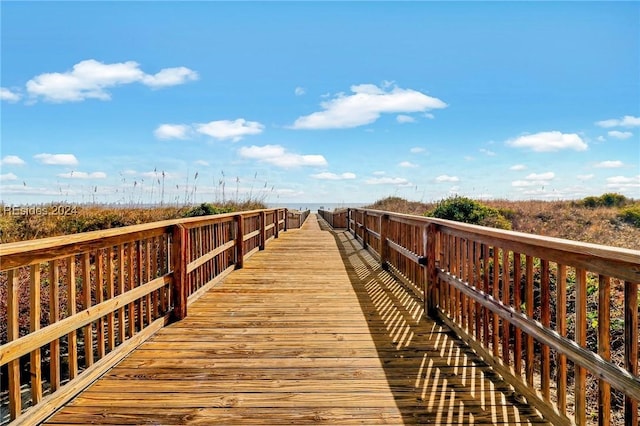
x=15 y=226
x=561 y=219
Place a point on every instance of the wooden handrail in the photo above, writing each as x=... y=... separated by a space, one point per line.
x=337 y=219
x=295 y=219
x=129 y=281
x=482 y=281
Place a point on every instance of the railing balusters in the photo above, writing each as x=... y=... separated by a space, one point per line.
x=163 y=270
x=485 y=287
x=147 y=269
x=131 y=279
x=478 y=310
x=506 y=300
x=99 y=299
x=545 y=319
x=54 y=316
x=604 y=346
x=86 y=303
x=529 y=308
x=35 y=312
x=561 y=326
x=121 y=290
x=631 y=346
x=139 y=281
x=517 y=303
x=496 y=295
x=13 y=333
x=72 y=338
x=111 y=336
x=154 y=274
x=581 y=339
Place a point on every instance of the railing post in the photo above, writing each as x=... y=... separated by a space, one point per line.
x=179 y=242
x=431 y=288
x=276 y=222
x=286 y=219
x=348 y=220
x=384 y=245
x=365 y=231
x=239 y=241
x=263 y=230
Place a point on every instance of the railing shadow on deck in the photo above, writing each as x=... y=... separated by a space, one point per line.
x=434 y=377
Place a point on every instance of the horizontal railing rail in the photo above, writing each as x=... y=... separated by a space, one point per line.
x=337 y=219
x=77 y=304
x=536 y=308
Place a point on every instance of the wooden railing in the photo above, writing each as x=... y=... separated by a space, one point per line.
x=295 y=219
x=520 y=301
x=337 y=219
x=77 y=304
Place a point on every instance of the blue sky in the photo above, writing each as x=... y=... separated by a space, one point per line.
x=318 y=102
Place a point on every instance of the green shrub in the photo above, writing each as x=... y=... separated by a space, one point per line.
x=610 y=199
x=631 y=215
x=206 y=209
x=462 y=209
x=591 y=202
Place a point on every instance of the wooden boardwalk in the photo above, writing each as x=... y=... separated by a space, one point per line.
x=310 y=331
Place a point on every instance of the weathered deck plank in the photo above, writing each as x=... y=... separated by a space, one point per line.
x=310 y=331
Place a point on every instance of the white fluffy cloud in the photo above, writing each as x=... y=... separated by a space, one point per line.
x=623 y=182
x=549 y=142
x=534 y=179
x=388 y=181
x=299 y=91
x=541 y=176
x=447 y=178
x=83 y=175
x=609 y=164
x=8 y=95
x=278 y=156
x=227 y=129
x=365 y=106
x=402 y=118
x=8 y=176
x=12 y=160
x=172 y=131
x=417 y=150
x=57 y=159
x=518 y=167
x=91 y=79
x=619 y=135
x=407 y=164
x=202 y=163
x=334 y=176
x=626 y=121
x=586 y=177
x=169 y=77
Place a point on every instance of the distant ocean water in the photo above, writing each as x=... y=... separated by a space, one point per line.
x=314 y=207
